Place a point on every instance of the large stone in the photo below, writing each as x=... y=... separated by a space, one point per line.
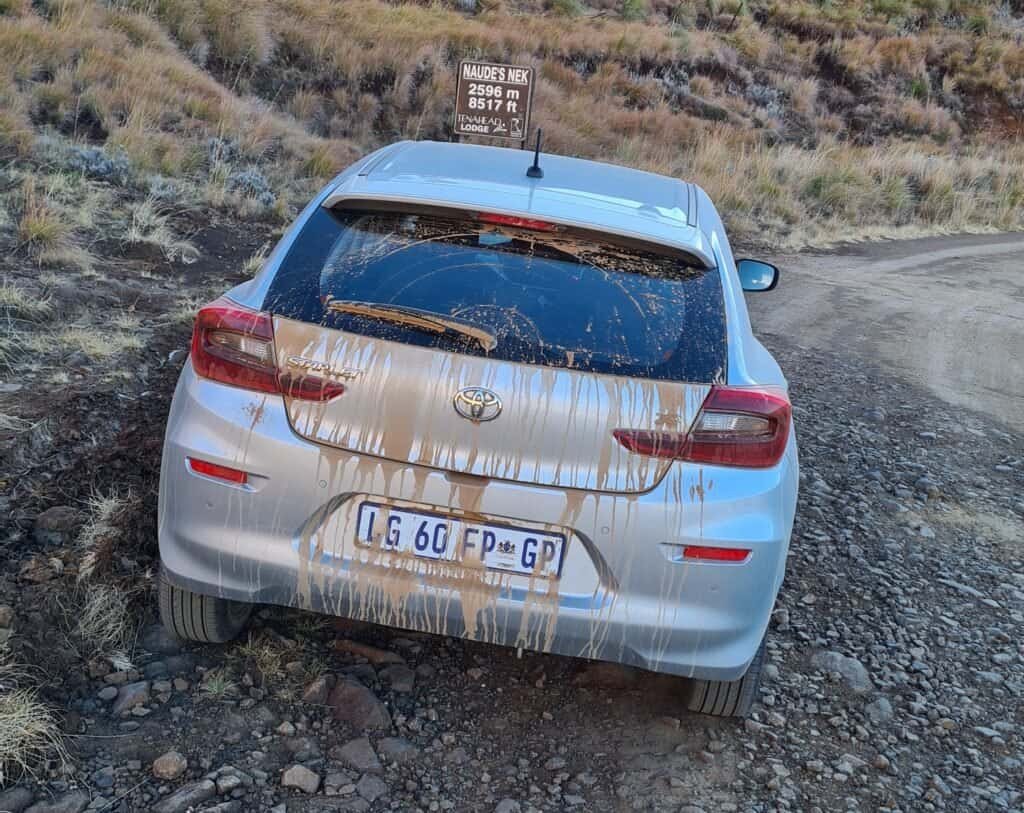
x=853 y=673
x=351 y=702
x=373 y=654
x=15 y=800
x=188 y=796
x=73 y=801
x=371 y=787
x=879 y=711
x=129 y=696
x=358 y=754
x=319 y=690
x=169 y=766
x=606 y=676
x=399 y=677
x=301 y=777
x=508 y=806
x=397 y=749
x=57 y=525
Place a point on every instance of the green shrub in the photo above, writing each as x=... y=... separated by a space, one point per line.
x=977 y=24
x=634 y=9
x=565 y=8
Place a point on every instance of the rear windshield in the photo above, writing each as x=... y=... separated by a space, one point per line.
x=558 y=298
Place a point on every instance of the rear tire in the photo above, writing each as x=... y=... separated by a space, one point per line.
x=195 y=617
x=728 y=698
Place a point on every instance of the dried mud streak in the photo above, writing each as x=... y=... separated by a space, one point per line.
x=425 y=431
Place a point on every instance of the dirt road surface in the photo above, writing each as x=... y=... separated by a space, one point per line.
x=895 y=664
x=945 y=313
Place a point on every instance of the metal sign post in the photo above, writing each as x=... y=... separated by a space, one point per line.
x=493 y=100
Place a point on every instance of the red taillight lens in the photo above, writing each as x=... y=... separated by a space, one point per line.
x=309 y=387
x=709 y=554
x=235 y=345
x=520 y=222
x=217 y=471
x=735 y=427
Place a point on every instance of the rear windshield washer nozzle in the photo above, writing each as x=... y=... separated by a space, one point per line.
x=534 y=171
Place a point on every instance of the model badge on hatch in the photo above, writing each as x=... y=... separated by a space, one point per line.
x=323 y=368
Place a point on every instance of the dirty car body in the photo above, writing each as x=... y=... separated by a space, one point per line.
x=461 y=401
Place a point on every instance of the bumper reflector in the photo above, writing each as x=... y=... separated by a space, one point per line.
x=709 y=554
x=218 y=472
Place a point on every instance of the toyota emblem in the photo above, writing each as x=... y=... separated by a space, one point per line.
x=477 y=404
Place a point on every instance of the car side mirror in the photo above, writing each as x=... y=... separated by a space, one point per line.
x=756 y=275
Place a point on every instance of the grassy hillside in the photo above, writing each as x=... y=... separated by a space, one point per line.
x=806 y=121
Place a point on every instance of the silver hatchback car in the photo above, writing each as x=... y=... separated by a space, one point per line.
x=524 y=411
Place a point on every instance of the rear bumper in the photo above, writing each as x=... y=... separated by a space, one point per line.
x=284 y=539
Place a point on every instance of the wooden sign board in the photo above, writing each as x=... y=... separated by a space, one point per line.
x=493 y=100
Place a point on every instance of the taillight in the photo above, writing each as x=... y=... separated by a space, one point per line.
x=735 y=427
x=235 y=345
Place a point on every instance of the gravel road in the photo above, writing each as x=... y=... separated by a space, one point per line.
x=895 y=663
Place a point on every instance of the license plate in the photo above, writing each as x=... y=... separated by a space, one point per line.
x=438 y=536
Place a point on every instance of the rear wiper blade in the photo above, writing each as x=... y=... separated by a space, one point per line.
x=416 y=318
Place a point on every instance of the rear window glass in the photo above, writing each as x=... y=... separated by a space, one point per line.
x=558 y=298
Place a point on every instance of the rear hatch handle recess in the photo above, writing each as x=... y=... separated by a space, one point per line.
x=415 y=318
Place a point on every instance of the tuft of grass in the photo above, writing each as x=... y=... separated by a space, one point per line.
x=30 y=732
x=99 y=344
x=218 y=685
x=40 y=227
x=16 y=302
x=150 y=225
x=255 y=262
x=634 y=9
x=321 y=164
x=105 y=623
x=277 y=664
x=102 y=537
x=565 y=8
x=264 y=655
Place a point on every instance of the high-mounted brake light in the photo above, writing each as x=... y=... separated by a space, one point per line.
x=235 y=345
x=735 y=427
x=218 y=472
x=513 y=220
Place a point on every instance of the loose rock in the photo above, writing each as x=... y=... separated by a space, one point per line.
x=358 y=754
x=189 y=796
x=301 y=777
x=353 y=703
x=169 y=766
x=129 y=696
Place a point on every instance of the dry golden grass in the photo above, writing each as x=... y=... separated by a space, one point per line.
x=40 y=227
x=255 y=262
x=150 y=225
x=29 y=730
x=16 y=302
x=103 y=533
x=803 y=120
x=104 y=622
x=29 y=733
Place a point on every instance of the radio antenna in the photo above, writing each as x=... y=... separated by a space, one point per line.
x=535 y=171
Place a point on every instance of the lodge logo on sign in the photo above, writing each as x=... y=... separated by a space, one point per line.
x=493 y=100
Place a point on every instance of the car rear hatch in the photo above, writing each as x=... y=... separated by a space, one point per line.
x=494 y=346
